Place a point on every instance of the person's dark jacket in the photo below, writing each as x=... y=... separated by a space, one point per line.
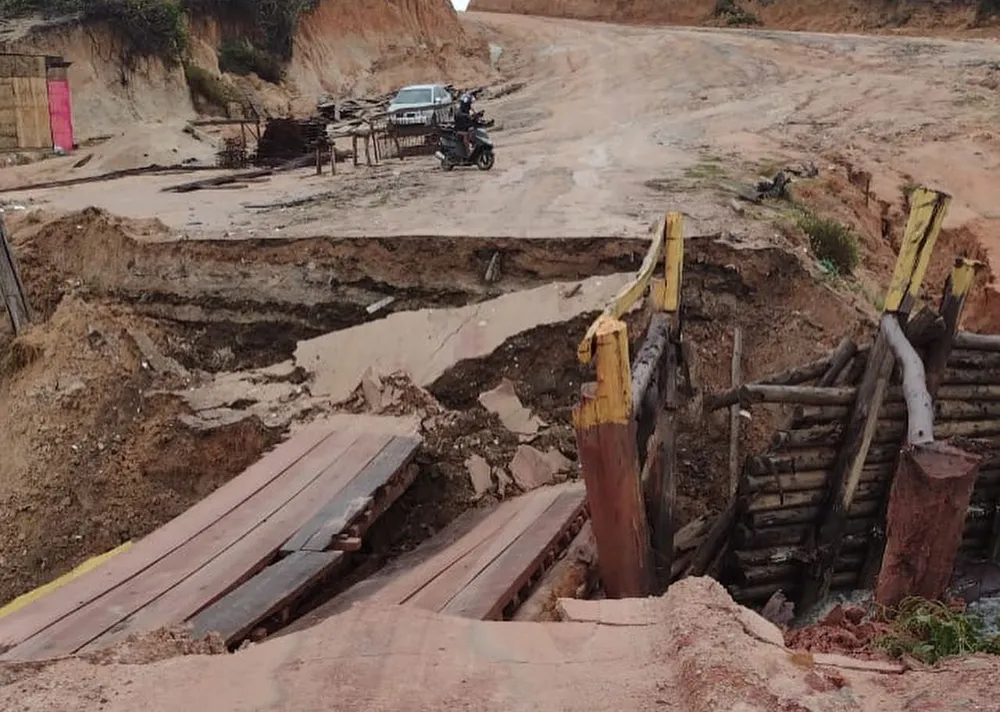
x=464 y=120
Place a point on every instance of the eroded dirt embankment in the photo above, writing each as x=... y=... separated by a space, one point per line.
x=341 y=46
x=947 y=18
x=106 y=399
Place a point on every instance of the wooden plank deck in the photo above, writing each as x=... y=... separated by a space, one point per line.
x=476 y=567
x=200 y=556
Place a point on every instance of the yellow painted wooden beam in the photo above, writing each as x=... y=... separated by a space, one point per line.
x=927 y=211
x=88 y=565
x=674 y=262
x=627 y=295
x=612 y=400
x=963 y=275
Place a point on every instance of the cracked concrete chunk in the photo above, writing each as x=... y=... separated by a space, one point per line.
x=479 y=474
x=532 y=468
x=503 y=401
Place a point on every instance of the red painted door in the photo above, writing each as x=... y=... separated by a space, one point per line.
x=60 y=114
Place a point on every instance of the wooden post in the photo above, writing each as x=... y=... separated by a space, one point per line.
x=930 y=495
x=606 y=438
x=11 y=287
x=319 y=159
x=952 y=303
x=927 y=210
x=333 y=158
x=734 y=413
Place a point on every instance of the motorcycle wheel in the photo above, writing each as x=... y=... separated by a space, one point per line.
x=485 y=161
x=447 y=165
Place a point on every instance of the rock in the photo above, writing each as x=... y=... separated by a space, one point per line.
x=371 y=388
x=503 y=401
x=532 y=468
x=479 y=474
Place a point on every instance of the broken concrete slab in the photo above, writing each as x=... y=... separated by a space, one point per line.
x=503 y=401
x=533 y=468
x=427 y=342
x=618 y=612
x=480 y=474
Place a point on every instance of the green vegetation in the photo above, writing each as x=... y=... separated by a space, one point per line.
x=158 y=28
x=832 y=242
x=930 y=631
x=208 y=87
x=242 y=57
x=733 y=14
x=986 y=10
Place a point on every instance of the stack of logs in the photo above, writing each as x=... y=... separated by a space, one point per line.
x=782 y=492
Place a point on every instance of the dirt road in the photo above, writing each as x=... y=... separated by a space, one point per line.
x=618 y=123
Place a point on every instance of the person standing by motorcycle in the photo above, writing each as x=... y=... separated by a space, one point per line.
x=465 y=122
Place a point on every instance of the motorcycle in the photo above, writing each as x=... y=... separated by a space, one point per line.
x=451 y=148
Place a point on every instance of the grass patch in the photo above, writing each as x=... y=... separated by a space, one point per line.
x=930 y=631
x=242 y=57
x=206 y=86
x=832 y=242
x=734 y=15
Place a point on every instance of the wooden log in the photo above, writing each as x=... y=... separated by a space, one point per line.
x=715 y=541
x=839 y=360
x=844 y=580
x=966 y=359
x=789 y=377
x=993 y=550
x=969 y=392
x=648 y=360
x=606 y=440
x=691 y=534
x=846 y=470
x=801 y=481
x=746 y=538
x=969 y=376
x=977 y=342
x=748 y=558
x=11 y=287
x=734 y=412
x=767 y=501
x=803 y=515
x=816 y=459
x=919 y=407
x=944 y=410
x=808 y=395
x=788 y=571
x=927 y=509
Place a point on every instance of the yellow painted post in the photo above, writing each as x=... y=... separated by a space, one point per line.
x=606 y=440
x=927 y=211
x=956 y=290
x=674 y=262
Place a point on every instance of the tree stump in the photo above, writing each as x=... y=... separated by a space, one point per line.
x=927 y=507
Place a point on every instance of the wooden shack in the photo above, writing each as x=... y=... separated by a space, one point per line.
x=35 y=111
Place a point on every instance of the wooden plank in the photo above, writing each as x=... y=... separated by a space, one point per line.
x=439 y=593
x=234 y=615
x=264 y=511
x=408 y=583
x=218 y=575
x=31 y=104
x=147 y=551
x=318 y=533
x=485 y=597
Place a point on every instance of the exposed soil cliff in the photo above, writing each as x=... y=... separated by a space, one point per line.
x=352 y=46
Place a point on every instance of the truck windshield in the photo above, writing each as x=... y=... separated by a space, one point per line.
x=413 y=96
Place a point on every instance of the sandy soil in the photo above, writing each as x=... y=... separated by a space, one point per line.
x=693 y=650
x=619 y=123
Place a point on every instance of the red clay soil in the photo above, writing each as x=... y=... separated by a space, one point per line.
x=845 y=629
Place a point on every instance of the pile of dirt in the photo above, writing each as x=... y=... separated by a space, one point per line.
x=91 y=458
x=693 y=650
x=947 y=17
x=845 y=629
